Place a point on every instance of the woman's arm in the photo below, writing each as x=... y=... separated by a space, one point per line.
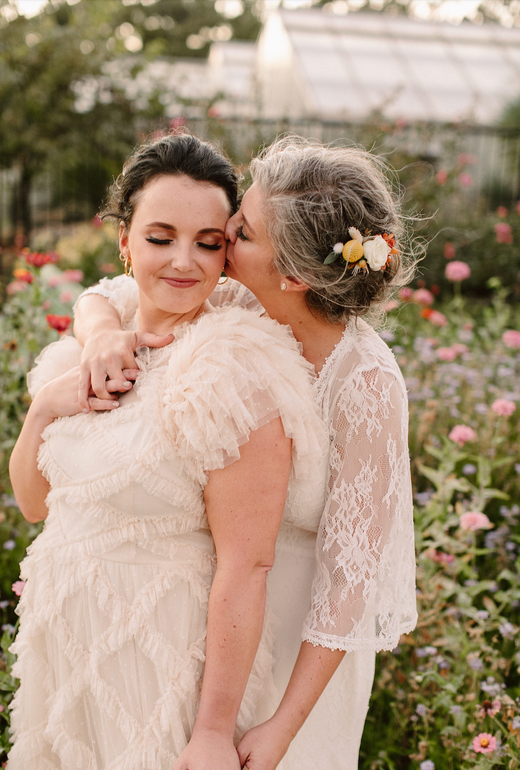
x=263 y=747
x=244 y=504
x=108 y=350
x=58 y=398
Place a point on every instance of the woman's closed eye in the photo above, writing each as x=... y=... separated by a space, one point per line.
x=210 y=246
x=240 y=233
x=159 y=241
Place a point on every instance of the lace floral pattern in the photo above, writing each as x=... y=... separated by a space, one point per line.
x=364 y=588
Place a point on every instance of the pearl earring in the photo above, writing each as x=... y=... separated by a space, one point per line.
x=283 y=286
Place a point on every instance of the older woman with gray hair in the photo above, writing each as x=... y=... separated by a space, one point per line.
x=316 y=244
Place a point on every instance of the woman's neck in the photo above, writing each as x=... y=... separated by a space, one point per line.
x=317 y=336
x=153 y=319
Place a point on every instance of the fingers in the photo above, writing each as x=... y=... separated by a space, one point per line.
x=84 y=387
x=101 y=405
x=118 y=386
x=152 y=340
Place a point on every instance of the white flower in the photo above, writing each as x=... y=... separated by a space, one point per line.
x=376 y=252
x=338 y=248
x=355 y=234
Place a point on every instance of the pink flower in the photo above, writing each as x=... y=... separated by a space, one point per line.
x=107 y=267
x=449 y=250
x=503 y=407
x=405 y=294
x=391 y=305
x=178 y=122
x=423 y=297
x=441 y=176
x=46 y=305
x=72 y=276
x=440 y=557
x=484 y=743
x=503 y=232
x=97 y=221
x=474 y=520
x=457 y=271
x=465 y=159
x=466 y=180
x=489 y=708
x=511 y=338
x=437 y=318
x=462 y=433
x=446 y=354
x=66 y=296
x=459 y=348
x=15 y=286
x=501 y=212
x=18 y=587
x=54 y=280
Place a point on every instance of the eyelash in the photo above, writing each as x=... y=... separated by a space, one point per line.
x=240 y=233
x=208 y=246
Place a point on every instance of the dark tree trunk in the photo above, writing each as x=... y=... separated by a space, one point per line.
x=21 y=208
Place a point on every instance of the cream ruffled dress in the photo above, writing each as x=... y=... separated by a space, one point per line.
x=113 y=616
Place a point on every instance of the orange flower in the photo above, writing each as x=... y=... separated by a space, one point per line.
x=21 y=274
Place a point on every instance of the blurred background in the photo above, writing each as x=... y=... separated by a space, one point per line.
x=434 y=87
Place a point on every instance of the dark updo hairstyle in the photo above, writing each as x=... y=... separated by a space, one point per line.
x=178 y=154
x=312 y=195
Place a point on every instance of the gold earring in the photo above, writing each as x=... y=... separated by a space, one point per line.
x=127 y=264
x=283 y=286
x=223 y=276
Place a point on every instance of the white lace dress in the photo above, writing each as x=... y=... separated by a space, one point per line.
x=113 y=615
x=353 y=586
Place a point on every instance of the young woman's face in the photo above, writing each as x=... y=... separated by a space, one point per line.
x=250 y=253
x=176 y=241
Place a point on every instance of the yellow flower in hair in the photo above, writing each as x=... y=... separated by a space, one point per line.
x=353 y=251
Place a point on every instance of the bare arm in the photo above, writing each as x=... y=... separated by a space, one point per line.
x=263 y=747
x=59 y=398
x=244 y=503
x=108 y=350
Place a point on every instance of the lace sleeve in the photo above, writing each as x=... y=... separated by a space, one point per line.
x=364 y=585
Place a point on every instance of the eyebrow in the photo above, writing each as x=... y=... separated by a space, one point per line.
x=173 y=229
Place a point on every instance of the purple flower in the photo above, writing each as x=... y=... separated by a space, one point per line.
x=427 y=765
x=421 y=710
x=475 y=663
x=455 y=709
x=9 y=545
x=507 y=630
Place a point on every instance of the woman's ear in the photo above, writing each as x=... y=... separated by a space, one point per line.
x=123 y=239
x=294 y=284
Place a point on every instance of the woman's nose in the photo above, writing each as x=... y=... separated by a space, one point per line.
x=182 y=257
x=231 y=228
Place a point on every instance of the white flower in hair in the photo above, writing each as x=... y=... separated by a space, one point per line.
x=355 y=234
x=376 y=252
x=338 y=248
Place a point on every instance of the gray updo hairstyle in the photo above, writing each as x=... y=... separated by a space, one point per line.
x=312 y=194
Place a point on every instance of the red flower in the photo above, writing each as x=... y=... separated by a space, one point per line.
x=449 y=250
x=23 y=275
x=39 y=259
x=59 y=322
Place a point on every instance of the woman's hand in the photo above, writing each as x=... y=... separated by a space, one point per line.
x=109 y=356
x=208 y=750
x=263 y=747
x=59 y=397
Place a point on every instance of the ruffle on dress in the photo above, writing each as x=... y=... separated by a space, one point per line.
x=231 y=373
x=56 y=359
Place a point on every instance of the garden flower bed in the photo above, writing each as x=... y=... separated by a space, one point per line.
x=448 y=696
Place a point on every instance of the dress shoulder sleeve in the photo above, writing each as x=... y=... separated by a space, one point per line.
x=363 y=595
x=54 y=360
x=122 y=292
x=230 y=373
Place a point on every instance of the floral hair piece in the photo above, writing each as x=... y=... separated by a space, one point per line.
x=364 y=252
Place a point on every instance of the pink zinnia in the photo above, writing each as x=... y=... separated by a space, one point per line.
x=15 y=286
x=423 y=297
x=72 y=276
x=462 y=433
x=511 y=338
x=484 y=743
x=459 y=348
x=446 y=354
x=503 y=232
x=457 y=271
x=466 y=180
x=503 y=407
x=449 y=250
x=405 y=293
x=441 y=176
x=18 y=587
x=474 y=520
x=434 y=316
